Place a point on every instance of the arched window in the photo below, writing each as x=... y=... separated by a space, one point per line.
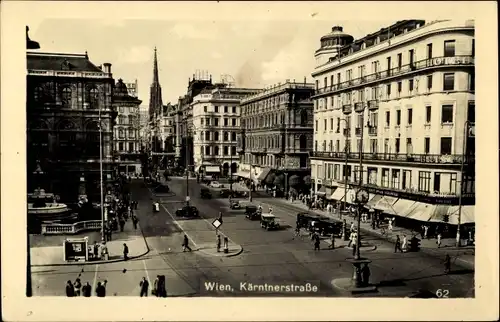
x=38 y=94
x=93 y=98
x=207 y=150
x=216 y=136
x=121 y=133
x=216 y=150
x=226 y=136
x=207 y=137
x=66 y=97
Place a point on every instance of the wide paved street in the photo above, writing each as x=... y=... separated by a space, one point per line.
x=268 y=257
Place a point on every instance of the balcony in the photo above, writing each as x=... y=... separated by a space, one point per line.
x=358 y=131
x=454 y=159
x=358 y=107
x=372 y=130
x=372 y=104
x=347 y=108
x=425 y=64
x=347 y=132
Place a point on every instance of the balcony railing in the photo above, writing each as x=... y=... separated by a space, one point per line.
x=358 y=131
x=358 y=107
x=372 y=104
x=372 y=130
x=347 y=108
x=415 y=158
x=465 y=60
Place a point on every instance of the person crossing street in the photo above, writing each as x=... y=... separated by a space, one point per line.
x=125 y=251
x=185 y=244
x=144 y=284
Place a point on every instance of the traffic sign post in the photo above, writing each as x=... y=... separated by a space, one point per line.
x=216 y=223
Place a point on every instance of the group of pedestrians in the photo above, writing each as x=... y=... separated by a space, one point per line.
x=76 y=288
x=159 y=287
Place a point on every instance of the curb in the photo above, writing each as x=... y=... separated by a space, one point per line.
x=117 y=260
x=228 y=255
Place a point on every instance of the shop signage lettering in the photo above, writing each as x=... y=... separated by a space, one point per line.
x=450 y=61
x=448 y=200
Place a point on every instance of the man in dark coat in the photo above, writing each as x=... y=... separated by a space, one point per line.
x=397 y=246
x=100 y=290
x=365 y=274
x=144 y=284
x=135 y=220
x=86 y=290
x=185 y=243
x=125 y=251
x=70 y=289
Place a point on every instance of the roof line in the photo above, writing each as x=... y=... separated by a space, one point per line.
x=31 y=53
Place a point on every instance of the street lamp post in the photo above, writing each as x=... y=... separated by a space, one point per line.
x=345 y=167
x=462 y=165
x=100 y=177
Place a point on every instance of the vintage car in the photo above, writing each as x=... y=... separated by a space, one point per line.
x=205 y=193
x=269 y=221
x=214 y=184
x=234 y=204
x=187 y=211
x=304 y=218
x=326 y=227
x=161 y=189
x=252 y=212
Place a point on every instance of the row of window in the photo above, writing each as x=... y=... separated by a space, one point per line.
x=131 y=133
x=122 y=145
x=375 y=93
x=215 y=121
x=448 y=51
x=446 y=146
x=65 y=95
x=234 y=109
x=275 y=119
x=215 y=136
x=128 y=109
x=215 y=150
x=258 y=106
x=124 y=120
x=447 y=112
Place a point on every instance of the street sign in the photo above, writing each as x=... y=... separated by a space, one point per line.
x=216 y=223
x=76 y=249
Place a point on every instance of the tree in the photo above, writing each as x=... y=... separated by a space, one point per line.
x=307 y=181
x=294 y=182
x=270 y=179
x=278 y=181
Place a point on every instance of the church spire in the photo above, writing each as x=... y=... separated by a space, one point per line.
x=155 y=99
x=155 y=70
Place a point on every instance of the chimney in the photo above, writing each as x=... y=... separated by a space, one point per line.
x=107 y=68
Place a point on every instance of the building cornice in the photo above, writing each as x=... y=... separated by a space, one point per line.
x=66 y=73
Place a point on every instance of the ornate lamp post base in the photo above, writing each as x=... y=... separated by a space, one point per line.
x=355 y=284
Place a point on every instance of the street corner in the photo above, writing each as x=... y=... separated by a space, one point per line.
x=211 y=250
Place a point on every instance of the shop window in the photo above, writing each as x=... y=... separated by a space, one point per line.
x=424 y=181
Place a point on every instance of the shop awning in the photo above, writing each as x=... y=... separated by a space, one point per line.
x=402 y=206
x=467 y=215
x=339 y=195
x=263 y=175
x=420 y=211
x=374 y=198
x=321 y=191
x=385 y=204
x=212 y=169
x=242 y=174
x=439 y=212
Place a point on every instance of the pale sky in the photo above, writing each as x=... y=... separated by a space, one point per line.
x=254 y=53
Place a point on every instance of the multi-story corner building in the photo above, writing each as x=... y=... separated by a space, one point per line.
x=127 y=145
x=216 y=124
x=277 y=126
x=184 y=149
x=133 y=89
x=168 y=134
x=67 y=95
x=404 y=98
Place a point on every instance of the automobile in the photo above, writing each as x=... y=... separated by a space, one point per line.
x=187 y=211
x=252 y=212
x=215 y=184
x=205 y=193
x=234 y=205
x=326 y=226
x=269 y=221
x=304 y=218
x=224 y=193
x=161 y=189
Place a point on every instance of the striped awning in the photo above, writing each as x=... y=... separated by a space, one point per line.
x=263 y=175
x=420 y=211
x=340 y=192
x=321 y=191
x=439 y=212
x=467 y=215
x=402 y=206
x=385 y=204
x=373 y=201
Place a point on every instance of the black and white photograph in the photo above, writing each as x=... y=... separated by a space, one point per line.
x=227 y=151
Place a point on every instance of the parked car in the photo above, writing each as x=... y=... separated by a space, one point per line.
x=215 y=184
x=205 y=193
x=269 y=221
x=187 y=211
x=326 y=226
x=304 y=218
x=234 y=205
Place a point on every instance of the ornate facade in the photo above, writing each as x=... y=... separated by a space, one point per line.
x=277 y=126
x=66 y=96
x=126 y=130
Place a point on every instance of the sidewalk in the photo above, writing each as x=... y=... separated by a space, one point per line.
x=464 y=255
x=48 y=250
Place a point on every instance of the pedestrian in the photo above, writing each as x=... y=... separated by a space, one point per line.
x=155 y=286
x=438 y=242
x=185 y=243
x=351 y=239
x=125 y=251
x=297 y=231
x=447 y=264
x=144 y=284
x=122 y=224
x=352 y=226
x=109 y=233
x=316 y=242
x=78 y=287
x=218 y=243
x=270 y=210
x=332 y=240
x=96 y=250
x=373 y=224
x=100 y=290
x=397 y=246
x=404 y=244
x=389 y=227
x=365 y=275
x=86 y=290
x=70 y=290
x=135 y=220
x=354 y=248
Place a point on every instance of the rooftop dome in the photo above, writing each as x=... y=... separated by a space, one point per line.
x=121 y=88
x=336 y=37
x=337 y=32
